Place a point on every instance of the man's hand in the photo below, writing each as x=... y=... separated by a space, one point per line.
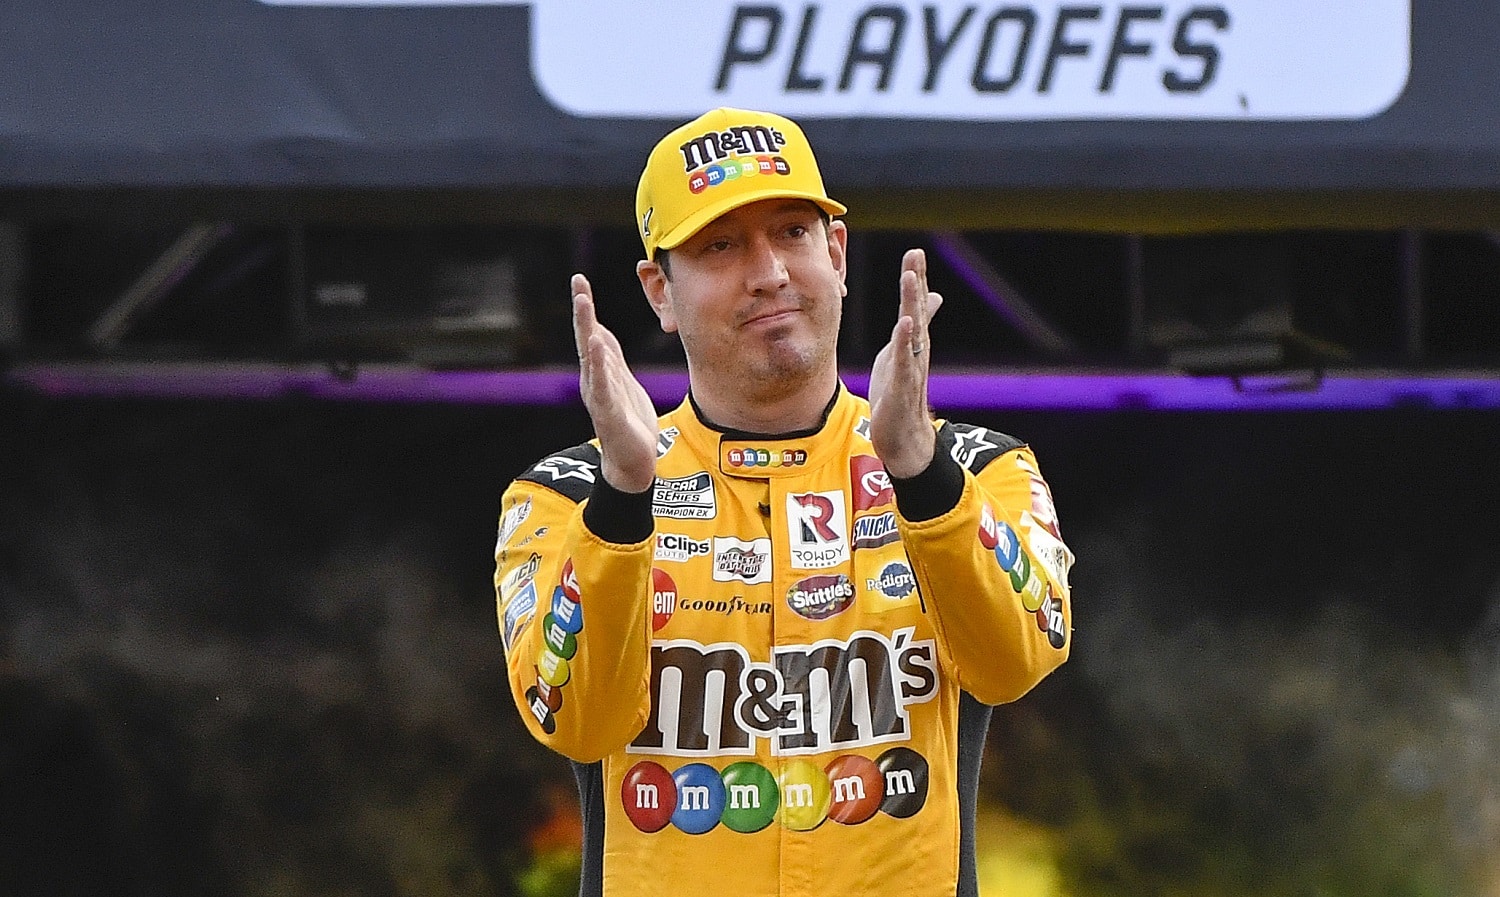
x=624 y=418
x=900 y=424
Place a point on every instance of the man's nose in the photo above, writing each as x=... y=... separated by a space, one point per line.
x=766 y=269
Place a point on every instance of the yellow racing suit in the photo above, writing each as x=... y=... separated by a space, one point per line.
x=773 y=670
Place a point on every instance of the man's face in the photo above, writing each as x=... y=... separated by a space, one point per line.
x=756 y=295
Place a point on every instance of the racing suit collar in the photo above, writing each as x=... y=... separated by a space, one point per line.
x=765 y=456
x=731 y=433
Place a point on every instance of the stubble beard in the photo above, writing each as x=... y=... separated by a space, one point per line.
x=783 y=365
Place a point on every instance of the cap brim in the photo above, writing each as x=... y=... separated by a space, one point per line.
x=700 y=219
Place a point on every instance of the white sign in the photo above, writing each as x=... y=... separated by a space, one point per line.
x=1239 y=59
x=949 y=59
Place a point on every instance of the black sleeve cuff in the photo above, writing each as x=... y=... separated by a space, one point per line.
x=623 y=518
x=936 y=490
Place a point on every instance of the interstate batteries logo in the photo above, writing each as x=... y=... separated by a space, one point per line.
x=736 y=560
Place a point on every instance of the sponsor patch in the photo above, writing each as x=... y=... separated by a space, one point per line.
x=665 y=439
x=518 y=612
x=1049 y=618
x=875 y=530
x=520 y=574
x=869 y=483
x=818 y=530
x=663 y=598
x=770 y=699
x=1042 y=508
x=561 y=467
x=759 y=457
x=747 y=562
x=678 y=548
x=969 y=444
x=747 y=797
x=684 y=498
x=820 y=597
x=1049 y=551
x=571 y=472
x=895 y=581
x=512 y=519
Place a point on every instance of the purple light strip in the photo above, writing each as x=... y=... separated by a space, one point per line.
x=1050 y=390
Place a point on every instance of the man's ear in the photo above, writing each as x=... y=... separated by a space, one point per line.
x=838 y=252
x=658 y=290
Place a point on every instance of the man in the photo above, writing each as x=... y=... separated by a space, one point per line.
x=767 y=625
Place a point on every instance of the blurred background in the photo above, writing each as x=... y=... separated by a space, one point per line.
x=283 y=310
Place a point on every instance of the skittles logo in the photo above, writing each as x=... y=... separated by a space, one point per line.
x=820 y=597
x=746 y=797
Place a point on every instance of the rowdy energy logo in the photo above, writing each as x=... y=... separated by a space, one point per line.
x=746 y=797
x=818 y=529
x=712 y=700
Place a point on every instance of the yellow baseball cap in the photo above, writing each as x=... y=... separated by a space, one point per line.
x=720 y=161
